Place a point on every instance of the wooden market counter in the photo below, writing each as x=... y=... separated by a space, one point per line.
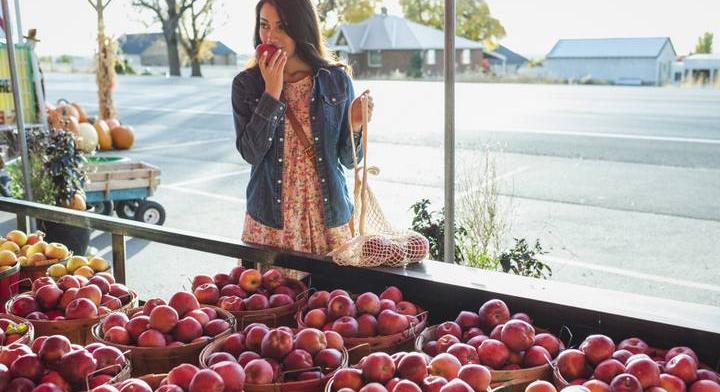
x=443 y=289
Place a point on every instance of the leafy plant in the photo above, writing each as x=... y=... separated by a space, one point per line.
x=431 y=224
x=57 y=168
x=523 y=260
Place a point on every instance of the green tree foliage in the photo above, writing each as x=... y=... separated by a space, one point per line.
x=705 y=43
x=332 y=13
x=473 y=18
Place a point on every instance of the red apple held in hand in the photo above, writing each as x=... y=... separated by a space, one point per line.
x=625 y=383
x=477 y=376
x=606 y=370
x=634 y=345
x=493 y=353
x=597 y=348
x=266 y=51
x=492 y=313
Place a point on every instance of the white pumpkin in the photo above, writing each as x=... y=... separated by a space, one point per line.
x=88 y=137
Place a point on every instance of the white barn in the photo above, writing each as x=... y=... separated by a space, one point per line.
x=629 y=61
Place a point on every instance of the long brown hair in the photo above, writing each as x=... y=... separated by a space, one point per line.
x=300 y=22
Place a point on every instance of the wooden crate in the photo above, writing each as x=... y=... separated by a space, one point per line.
x=107 y=177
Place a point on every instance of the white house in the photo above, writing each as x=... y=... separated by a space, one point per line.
x=633 y=61
x=702 y=68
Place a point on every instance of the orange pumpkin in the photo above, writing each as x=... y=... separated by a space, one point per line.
x=103 y=132
x=82 y=114
x=66 y=110
x=112 y=122
x=122 y=137
x=77 y=202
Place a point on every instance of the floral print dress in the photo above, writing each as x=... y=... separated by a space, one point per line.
x=303 y=222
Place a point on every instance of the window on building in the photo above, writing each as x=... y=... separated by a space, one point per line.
x=430 y=58
x=466 y=56
x=375 y=58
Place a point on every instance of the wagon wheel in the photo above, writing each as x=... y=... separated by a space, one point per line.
x=150 y=212
x=126 y=208
x=103 y=207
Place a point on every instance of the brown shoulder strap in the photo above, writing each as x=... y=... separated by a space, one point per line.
x=297 y=128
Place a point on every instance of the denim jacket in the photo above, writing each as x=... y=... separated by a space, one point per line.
x=260 y=128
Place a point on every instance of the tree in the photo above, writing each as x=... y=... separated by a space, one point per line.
x=473 y=19
x=705 y=43
x=195 y=26
x=105 y=73
x=168 y=13
x=334 y=12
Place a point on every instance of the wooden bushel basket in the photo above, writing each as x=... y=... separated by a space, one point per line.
x=507 y=380
x=154 y=360
x=275 y=317
x=29 y=336
x=29 y=274
x=361 y=347
x=291 y=386
x=78 y=331
x=123 y=375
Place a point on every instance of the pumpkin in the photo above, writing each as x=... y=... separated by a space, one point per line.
x=112 y=122
x=72 y=125
x=66 y=110
x=54 y=120
x=88 y=137
x=122 y=137
x=77 y=202
x=82 y=114
x=103 y=134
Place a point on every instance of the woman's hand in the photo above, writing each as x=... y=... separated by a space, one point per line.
x=272 y=72
x=356 y=110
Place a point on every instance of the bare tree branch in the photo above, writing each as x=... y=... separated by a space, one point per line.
x=92 y=4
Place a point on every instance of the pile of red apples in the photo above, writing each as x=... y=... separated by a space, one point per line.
x=53 y=364
x=494 y=338
x=411 y=372
x=221 y=377
x=71 y=298
x=159 y=324
x=598 y=365
x=281 y=355
x=245 y=289
x=369 y=315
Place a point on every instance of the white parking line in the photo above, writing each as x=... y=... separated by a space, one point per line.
x=210 y=178
x=176 y=145
x=205 y=194
x=634 y=274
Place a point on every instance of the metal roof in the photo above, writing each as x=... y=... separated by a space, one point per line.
x=510 y=56
x=609 y=48
x=138 y=43
x=384 y=32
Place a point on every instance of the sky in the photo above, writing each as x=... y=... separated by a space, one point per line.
x=533 y=26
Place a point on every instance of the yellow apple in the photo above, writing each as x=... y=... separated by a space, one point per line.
x=23 y=261
x=98 y=264
x=56 y=250
x=38 y=247
x=76 y=262
x=11 y=246
x=36 y=259
x=17 y=237
x=7 y=258
x=85 y=271
x=57 y=270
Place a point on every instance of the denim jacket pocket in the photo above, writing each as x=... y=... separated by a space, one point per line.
x=333 y=105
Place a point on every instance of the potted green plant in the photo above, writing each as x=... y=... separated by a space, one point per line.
x=58 y=178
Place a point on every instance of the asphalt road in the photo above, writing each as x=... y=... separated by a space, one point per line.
x=621 y=185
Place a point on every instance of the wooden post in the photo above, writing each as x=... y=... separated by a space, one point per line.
x=118 y=256
x=22 y=223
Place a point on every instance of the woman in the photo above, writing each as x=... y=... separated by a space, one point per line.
x=293 y=112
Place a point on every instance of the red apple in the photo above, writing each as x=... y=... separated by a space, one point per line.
x=672 y=383
x=348 y=378
x=378 y=367
x=151 y=338
x=23 y=305
x=206 y=380
x=597 y=348
x=445 y=365
x=298 y=359
x=256 y=301
x=272 y=279
x=549 y=342
x=387 y=304
x=187 y=329
x=110 y=359
x=540 y=386
x=477 y=376
x=258 y=371
x=625 y=383
x=390 y=322
x=456 y=385
x=536 y=356
x=81 y=308
x=250 y=280
x=340 y=306
x=572 y=364
x=492 y=313
x=705 y=374
x=600 y=386
x=207 y=294
x=328 y=358
x=493 y=353
x=634 y=345
x=117 y=335
x=101 y=283
x=448 y=328
x=276 y=344
x=407 y=308
x=277 y=300
x=76 y=365
x=606 y=370
x=137 y=325
x=232 y=374
x=246 y=357
x=216 y=327
x=392 y=293
x=517 y=335
x=28 y=366
x=315 y=318
x=311 y=340
x=334 y=340
x=368 y=303
x=681 y=350
x=467 y=320
x=682 y=366
x=183 y=302
x=319 y=300
x=413 y=366
x=346 y=326
x=48 y=296
x=163 y=318
x=233 y=290
x=465 y=353
x=704 y=386
x=433 y=383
